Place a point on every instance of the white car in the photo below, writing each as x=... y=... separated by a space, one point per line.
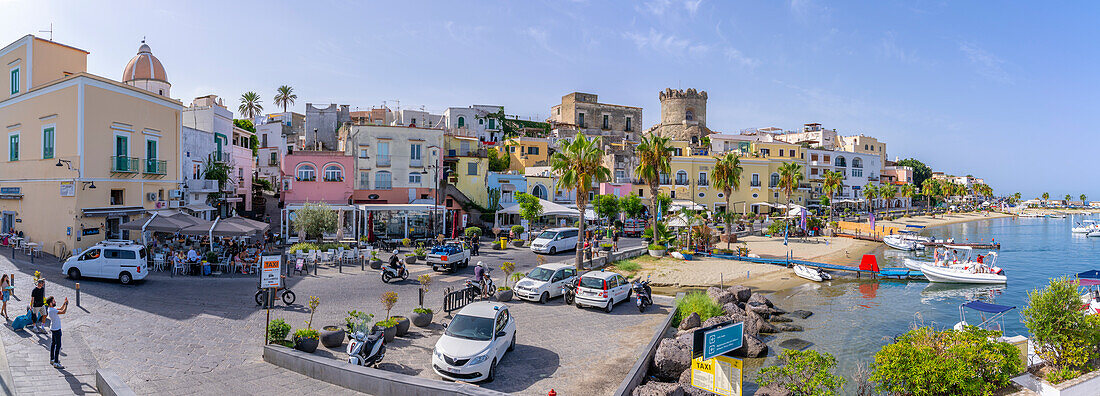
x=602 y=289
x=545 y=282
x=110 y=259
x=555 y=240
x=474 y=342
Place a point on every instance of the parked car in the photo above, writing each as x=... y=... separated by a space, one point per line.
x=545 y=282
x=555 y=240
x=450 y=256
x=474 y=342
x=602 y=289
x=110 y=259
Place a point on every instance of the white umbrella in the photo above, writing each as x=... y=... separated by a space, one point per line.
x=797 y=211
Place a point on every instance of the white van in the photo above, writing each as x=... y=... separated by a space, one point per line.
x=555 y=240
x=110 y=259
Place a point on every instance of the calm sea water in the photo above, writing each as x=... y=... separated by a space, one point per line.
x=853 y=318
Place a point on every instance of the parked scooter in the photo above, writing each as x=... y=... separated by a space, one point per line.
x=568 y=291
x=643 y=294
x=490 y=288
x=366 y=349
x=396 y=269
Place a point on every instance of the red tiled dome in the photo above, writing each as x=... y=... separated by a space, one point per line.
x=144 y=66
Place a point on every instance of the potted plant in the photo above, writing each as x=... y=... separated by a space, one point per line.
x=604 y=246
x=355 y=318
x=410 y=259
x=375 y=262
x=389 y=299
x=277 y=331
x=332 y=336
x=402 y=325
x=306 y=340
x=389 y=329
x=504 y=293
x=517 y=231
x=687 y=254
x=420 y=252
x=517 y=243
x=406 y=242
x=422 y=317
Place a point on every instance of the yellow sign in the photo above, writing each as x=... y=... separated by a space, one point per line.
x=721 y=375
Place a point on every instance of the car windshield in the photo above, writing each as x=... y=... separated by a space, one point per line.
x=471 y=328
x=591 y=283
x=547 y=235
x=540 y=274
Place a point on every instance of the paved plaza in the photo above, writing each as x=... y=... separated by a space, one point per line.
x=187 y=335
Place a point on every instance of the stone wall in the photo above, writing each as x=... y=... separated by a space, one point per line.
x=322 y=123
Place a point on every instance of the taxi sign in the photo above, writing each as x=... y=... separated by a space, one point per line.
x=721 y=375
x=271 y=271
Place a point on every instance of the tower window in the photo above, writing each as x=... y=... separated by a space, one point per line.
x=689 y=115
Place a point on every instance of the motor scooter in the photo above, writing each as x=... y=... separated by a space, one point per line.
x=490 y=288
x=642 y=294
x=568 y=291
x=366 y=349
x=396 y=269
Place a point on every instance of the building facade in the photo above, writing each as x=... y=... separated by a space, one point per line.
x=395 y=164
x=321 y=126
x=472 y=121
x=318 y=176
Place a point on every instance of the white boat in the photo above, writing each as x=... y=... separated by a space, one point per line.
x=901 y=243
x=913 y=236
x=1085 y=227
x=1093 y=233
x=959 y=264
x=814 y=274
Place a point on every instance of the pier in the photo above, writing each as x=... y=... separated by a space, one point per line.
x=869 y=268
x=874 y=238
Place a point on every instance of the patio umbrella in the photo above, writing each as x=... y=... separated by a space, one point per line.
x=257 y=227
x=157 y=223
x=221 y=228
x=370 y=226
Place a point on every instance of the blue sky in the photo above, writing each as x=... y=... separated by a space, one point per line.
x=1002 y=91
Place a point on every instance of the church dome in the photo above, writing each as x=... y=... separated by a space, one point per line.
x=144 y=66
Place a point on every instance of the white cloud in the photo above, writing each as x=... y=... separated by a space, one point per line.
x=655 y=7
x=806 y=11
x=986 y=64
x=541 y=37
x=733 y=55
x=692 y=6
x=659 y=42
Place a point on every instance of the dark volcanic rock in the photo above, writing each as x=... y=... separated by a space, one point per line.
x=685 y=383
x=759 y=299
x=720 y=296
x=796 y=343
x=690 y=322
x=801 y=314
x=743 y=293
x=788 y=327
x=733 y=309
x=673 y=357
x=751 y=347
x=654 y=388
x=773 y=390
x=780 y=319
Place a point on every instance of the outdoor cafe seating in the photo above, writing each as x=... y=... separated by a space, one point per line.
x=223 y=246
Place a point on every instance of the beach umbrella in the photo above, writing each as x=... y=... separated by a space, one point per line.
x=370 y=226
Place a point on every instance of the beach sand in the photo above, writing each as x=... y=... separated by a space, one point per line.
x=940 y=220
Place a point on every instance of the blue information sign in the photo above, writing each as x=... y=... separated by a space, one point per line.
x=722 y=339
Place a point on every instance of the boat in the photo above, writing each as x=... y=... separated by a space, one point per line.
x=1090 y=300
x=914 y=236
x=901 y=243
x=959 y=264
x=995 y=321
x=1093 y=233
x=1085 y=227
x=814 y=274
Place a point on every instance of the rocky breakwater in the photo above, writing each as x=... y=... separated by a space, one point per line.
x=670 y=373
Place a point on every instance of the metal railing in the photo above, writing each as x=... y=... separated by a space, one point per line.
x=702 y=183
x=122 y=164
x=156 y=167
x=754 y=184
x=383 y=160
x=202 y=185
x=681 y=182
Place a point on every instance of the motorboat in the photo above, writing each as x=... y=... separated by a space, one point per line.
x=901 y=243
x=936 y=292
x=1090 y=300
x=914 y=236
x=959 y=264
x=995 y=321
x=1085 y=227
x=1093 y=233
x=814 y=274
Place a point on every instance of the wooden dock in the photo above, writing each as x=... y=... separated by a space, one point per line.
x=875 y=238
x=895 y=272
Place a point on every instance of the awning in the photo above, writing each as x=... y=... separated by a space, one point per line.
x=158 y=223
x=679 y=203
x=248 y=224
x=548 y=209
x=199 y=207
x=1089 y=278
x=222 y=228
x=388 y=207
x=987 y=307
x=112 y=211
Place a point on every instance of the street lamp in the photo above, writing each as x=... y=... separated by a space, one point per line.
x=69 y=164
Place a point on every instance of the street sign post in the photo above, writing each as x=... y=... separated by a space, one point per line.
x=711 y=370
x=269 y=275
x=716 y=340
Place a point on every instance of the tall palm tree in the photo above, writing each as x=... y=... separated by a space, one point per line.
x=834 y=183
x=1046 y=196
x=285 y=96
x=870 y=193
x=654 y=158
x=887 y=193
x=790 y=175
x=1084 y=198
x=1068 y=197
x=1016 y=197
x=250 y=105
x=930 y=189
x=579 y=165
x=908 y=192
x=726 y=176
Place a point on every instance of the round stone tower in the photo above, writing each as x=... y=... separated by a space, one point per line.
x=683 y=115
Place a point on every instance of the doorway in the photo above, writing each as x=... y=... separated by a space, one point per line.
x=7 y=222
x=113 y=231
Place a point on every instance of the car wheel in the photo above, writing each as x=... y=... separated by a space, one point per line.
x=125 y=278
x=74 y=273
x=610 y=306
x=544 y=297
x=553 y=250
x=579 y=306
x=513 y=344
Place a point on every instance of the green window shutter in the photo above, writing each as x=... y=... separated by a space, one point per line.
x=13 y=148
x=48 y=143
x=151 y=149
x=15 y=81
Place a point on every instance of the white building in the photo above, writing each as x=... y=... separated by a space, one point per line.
x=815 y=135
x=417 y=118
x=208 y=117
x=276 y=133
x=470 y=121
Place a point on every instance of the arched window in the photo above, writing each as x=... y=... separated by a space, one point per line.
x=306 y=172
x=461 y=122
x=681 y=178
x=774 y=181
x=857 y=163
x=665 y=179
x=382 y=181
x=539 y=191
x=840 y=162
x=689 y=115
x=333 y=172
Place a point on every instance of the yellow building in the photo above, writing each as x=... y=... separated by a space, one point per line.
x=527 y=152
x=84 y=153
x=469 y=166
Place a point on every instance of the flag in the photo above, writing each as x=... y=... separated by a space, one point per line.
x=803 y=219
x=872 y=219
x=658 y=214
x=785 y=232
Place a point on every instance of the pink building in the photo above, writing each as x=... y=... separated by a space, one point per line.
x=617 y=189
x=898 y=174
x=318 y=176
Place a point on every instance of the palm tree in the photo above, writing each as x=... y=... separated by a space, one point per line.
x=1068 y=197
x=654 y=158
x=834 y=183
x=930 y=189
x=790 y=175
x=727 y=177
x=908 y=191
x=1046 y=196
x=285 y=96
x=870 y=193
x=579 y=165
x=887 y=192
x=1016 y=197
x=250 y=105
x=1084 y=198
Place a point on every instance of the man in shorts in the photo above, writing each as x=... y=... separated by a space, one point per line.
x=38 y=305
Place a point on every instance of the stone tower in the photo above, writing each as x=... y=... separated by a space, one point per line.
x=683 y=115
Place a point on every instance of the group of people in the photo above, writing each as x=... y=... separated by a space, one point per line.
x=42 y=308
x=243 y=255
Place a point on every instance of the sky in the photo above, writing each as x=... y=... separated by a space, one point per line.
x=1003 y=90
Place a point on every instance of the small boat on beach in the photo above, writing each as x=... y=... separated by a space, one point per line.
x=814 y=274
x=901 y=242
x=1093 y=233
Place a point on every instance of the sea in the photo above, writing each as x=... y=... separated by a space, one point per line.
x=853 y=318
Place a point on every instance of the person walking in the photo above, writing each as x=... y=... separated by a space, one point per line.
x=55 y=330
x=5 y=289
x=38 y=305
x=614 y=240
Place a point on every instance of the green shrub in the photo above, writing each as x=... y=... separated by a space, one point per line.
x=354 y=318
x=628 y=266
x=517 y=229
x=606 y=244
x=696 y=302
x=924 y=361
x=806 y=372
x=307 y=333
x=277 y=330
x=777 y=227
x=386 y=323
x=1065 y=337
x=303 y=247
x=472 y=231
x=422 y=310
x=654 y=246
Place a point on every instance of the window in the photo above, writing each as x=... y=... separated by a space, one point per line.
x=857 y=172
x=672 y=194
x=334 y=173
x=264 y=141
x=364 y=180
x=414 y=178
x=689 y=115
x=628 y=124
x=841 y=162
x=641 y=193
x=872 y=148
x=532 y=150
x=382 y=181
x=620 y=175
x=461 y=122
x=813 y=171
x=665 y=179
x=13 y=146
x=306 y=172
x=677 y=152
x=606 y=121
x=792 y=152
x=755 y=180
x=274 y=160
x=362 y=153
x=413 y=123
x=471 y=169
x=857 y=163
x=47 y=142
x=681 y=178
x=383 y=153
x=865 y=147
x=480 y=121
x=702 y=178
x=580 y=120
x=492 y=123
x=414 y=152
x=116 y=196
x=774 y=181
x=765 y=152
x=14 y=81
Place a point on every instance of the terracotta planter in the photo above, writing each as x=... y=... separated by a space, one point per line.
x=504 y=295
x=421 y=319
x=332 y=336
x=307 y=345
x=376 y=264
x=657 y=253
x=402 y=325
x=410 y=260
x=517 y=243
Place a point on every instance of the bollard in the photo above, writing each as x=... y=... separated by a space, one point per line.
x=78 y=294
x=340 y=263
x=315 y=265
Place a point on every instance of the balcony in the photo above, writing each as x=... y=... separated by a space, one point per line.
x=702 y=183
x=306 y=178
x=121 y=164
x=272 y=162
x=681 y=182
x=201 y=186
x=334 y=178
x=383 y=160
x=622 y=180
x=418 y=163
x=754 y=184
x=156 y=167
x=383 y=185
